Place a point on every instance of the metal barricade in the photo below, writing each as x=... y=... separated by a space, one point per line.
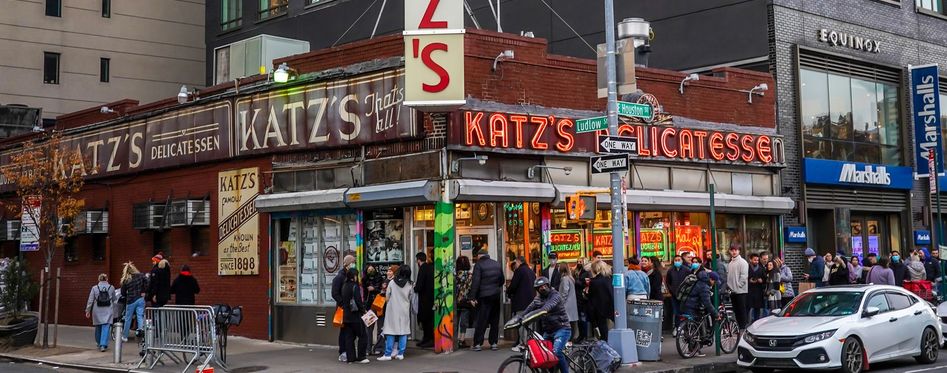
x=185 y=330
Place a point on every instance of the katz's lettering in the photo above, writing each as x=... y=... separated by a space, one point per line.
x=523 y=133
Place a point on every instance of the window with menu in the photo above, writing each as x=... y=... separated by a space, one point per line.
x=310 y=252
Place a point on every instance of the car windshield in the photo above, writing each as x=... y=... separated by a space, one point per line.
x=824 y=304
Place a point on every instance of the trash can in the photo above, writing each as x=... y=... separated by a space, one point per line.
x=644 y=317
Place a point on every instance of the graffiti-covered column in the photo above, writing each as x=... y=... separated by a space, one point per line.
x=443 y=277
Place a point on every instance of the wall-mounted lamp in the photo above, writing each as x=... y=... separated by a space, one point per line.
x=503 y=56
x=182 y=95
x=455 y=164
x=282 y=73
x=759 y=87
x=687 y=79
x=531 y=172
x=106 y=110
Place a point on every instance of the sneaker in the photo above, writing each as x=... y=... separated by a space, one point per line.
x=101 y=349
x=124 y=339
x=701 y=354
x=343 y=358
x=517 y=348
x=476 y=348
x=494 y=347
x=363 y=361
x=674 y=332
x=385 y=358
x=399 y=357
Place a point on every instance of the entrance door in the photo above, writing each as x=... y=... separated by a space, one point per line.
x=869 y=235
x=474 y=239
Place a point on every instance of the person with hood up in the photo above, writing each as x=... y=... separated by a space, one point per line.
x=397 y=314
x=99 y=308
x=932 y=266
x=699 y=298
x=916 y=270
x=816 y=268
x=159 y=281
x=185 y=287
x=356 y=341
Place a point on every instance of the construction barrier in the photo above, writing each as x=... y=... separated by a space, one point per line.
x=181 y=333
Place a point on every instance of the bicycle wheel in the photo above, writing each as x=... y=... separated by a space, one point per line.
x=729 y=336
x=581 y=361
x=515 y=364
x=688 y=339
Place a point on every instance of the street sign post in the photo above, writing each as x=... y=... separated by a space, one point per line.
x=617 y=144
x=631 y=109
x=609 y=163
x=591 y=124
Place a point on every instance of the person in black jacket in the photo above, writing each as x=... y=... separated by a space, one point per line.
x=159 y=281
x=352 y=325
x=698 y=301
x=601 y=299
x=552 y=271
x=652 y=267
x=337 y=282
x=555 y=324
x=185 y=287
x=932 y=266
x=756 y=297
x=582 y=278
x=675 y=276
x=424 y=288
x=897 y=266
x=486 y=287
x=521 y=293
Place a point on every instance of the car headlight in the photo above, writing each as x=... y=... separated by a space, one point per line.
x=749 y=338
x=812 y=338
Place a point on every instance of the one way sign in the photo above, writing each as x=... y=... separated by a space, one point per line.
x=617 y=144
x=608 y=163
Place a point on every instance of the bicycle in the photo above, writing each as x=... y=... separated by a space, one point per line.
x=224 y=317
x=694 y=333
x=578 y=355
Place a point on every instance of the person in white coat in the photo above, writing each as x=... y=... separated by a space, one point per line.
x=737 y=281
x=99 y=308
x=398 y=314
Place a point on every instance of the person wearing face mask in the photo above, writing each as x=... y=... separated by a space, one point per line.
x=899 y=269
x=674 y=278
x=637 y=285
x=338 y=281
x=555 y=323
x=552 y=271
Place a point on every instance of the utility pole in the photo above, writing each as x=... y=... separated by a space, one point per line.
x=620 y=338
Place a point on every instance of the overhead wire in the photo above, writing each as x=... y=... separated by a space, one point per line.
x=569 y=26
x=369 y=7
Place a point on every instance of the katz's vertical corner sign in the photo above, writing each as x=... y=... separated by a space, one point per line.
x=238 y=223
x=925 y=98
x=434 y=54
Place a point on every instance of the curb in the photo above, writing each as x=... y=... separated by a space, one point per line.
x=713 y=367
x=91 y=368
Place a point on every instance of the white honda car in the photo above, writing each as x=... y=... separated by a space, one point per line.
x=843 y=327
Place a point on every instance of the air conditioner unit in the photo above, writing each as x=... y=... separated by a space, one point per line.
x=97 y=221
x=13 y=230
x=177 y=215
x=157 y=217
x=198 y=212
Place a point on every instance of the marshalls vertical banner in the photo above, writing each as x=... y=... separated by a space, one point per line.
x=238 y=223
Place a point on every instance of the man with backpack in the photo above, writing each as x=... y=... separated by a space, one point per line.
x=99 y=309
x=697 y=300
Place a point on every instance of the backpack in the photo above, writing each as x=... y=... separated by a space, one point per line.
x=684 y=290
x=104 y=298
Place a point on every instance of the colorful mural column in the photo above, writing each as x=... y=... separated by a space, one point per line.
x=444 y=277
x=360 y=239
x=545 y=214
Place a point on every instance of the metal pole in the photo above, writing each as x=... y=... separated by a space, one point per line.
x=940 y=223
x=620 y=338
x=713 y=261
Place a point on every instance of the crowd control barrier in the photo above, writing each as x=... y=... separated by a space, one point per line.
x=181 y=333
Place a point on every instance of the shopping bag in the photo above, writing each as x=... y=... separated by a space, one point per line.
x=378 y=305
x=540 y=354
x=337 y=319
x=805 y=286
x=369 y=318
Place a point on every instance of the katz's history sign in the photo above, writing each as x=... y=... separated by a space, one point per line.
x=238 y=224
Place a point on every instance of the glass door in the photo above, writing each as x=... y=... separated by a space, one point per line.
x=476 y=239
x=868 y=235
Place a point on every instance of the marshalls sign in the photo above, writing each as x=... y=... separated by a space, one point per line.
x=238 y=224
x=925 y=97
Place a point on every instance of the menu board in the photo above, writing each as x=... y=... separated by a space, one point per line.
x=653 y=242
x=688 y=238
x=566 y=243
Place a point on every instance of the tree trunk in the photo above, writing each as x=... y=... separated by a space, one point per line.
x=46 y=312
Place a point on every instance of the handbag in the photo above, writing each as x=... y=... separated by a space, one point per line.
x=337 y=318
x=369 y=318
x=378 y=304
x=540 y=354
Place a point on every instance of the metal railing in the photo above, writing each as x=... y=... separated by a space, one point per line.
x=188 y=331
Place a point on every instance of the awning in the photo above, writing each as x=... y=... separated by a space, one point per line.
x=465 y=190
x=296 y=201
x=672 y=200
x=407 y=193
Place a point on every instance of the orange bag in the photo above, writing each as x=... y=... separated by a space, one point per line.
x=378 y=305
x=337 y=319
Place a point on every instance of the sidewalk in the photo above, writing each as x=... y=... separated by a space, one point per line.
x=76 y=350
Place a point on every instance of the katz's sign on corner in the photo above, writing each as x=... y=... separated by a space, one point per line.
x=434 y=54
x=238 y=223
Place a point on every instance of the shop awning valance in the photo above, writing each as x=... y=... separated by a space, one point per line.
x=297 y=201
x=407 y=193
x=501 y=191
x=672 y=200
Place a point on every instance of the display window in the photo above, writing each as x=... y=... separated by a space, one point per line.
x=523 y=233
x=311 y=248
x=759 y=234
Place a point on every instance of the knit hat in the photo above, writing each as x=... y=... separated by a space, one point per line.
x=810 y=252
x=157 y=258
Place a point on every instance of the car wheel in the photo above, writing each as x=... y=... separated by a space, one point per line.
x=853 y=356
x=929 y=347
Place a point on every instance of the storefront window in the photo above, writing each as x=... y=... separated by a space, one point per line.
x=849 y=119
x=311 y=249
x=286 y=266
x=759 y=234
x=691 y=233
x=656 y=234
x=472 y=215
x=728 y=234
x=523 y=231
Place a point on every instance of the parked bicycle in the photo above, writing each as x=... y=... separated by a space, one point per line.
x=578 y=355
x=224 y=317
x=694 y=333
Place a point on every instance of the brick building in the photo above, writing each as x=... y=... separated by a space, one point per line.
x=295 y=175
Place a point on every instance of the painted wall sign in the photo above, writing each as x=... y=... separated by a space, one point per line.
x=922 y=237
x=523 y=133
x=331 y=114
x=434 y=53
x=925 y=99
x=846 y=40
x=796 y=235
x=566 y=243
x=653 y=242
x=828 y=172
x=688 y=238
x=238 y=223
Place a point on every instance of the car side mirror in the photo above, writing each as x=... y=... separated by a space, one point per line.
x=870 y=311
x=775 y=312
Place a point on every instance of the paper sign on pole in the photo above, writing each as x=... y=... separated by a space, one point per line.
x=29 y=223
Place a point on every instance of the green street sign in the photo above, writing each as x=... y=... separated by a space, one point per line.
x=630 y=109
x=591 y=124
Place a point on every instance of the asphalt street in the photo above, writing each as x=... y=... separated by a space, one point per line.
x=25 y=367
x=907 y=365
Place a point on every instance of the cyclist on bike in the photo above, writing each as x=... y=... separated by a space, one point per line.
x=555 y=324
x=698 y=301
